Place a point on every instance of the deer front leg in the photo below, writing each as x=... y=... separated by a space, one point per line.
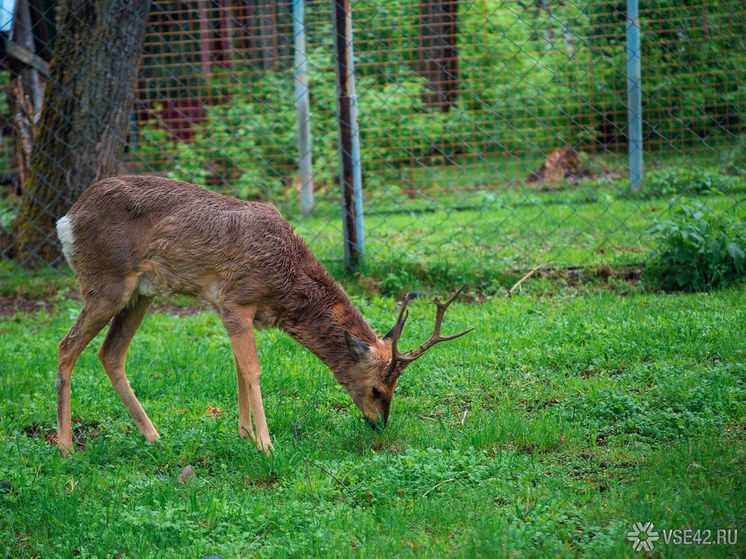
x=239 y=324
x=245 y=428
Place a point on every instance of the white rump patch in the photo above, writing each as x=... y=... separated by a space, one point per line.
x=65 y=235
x=145 y=286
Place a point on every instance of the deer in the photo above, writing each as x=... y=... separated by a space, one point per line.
x=131 y=238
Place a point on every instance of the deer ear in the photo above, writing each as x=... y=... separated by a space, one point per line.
x=358 y=349
x=393 y=330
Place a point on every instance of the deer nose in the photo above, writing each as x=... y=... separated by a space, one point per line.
x=378 y=425
x=383 y=419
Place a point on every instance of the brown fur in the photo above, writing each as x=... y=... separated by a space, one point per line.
x=139 y=236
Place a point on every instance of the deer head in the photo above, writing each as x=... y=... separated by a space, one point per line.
x=379 y=366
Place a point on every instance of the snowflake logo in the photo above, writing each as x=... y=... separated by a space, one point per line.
x=643 y=536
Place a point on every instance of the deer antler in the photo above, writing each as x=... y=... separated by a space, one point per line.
x=405 y=359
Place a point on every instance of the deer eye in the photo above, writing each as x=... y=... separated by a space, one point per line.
x=376 y=393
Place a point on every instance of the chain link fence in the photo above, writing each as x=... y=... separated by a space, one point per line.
x=493 y=133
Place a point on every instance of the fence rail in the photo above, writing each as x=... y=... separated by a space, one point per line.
x=495 y=127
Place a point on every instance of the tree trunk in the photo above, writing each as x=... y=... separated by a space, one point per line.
x=82 y=132
x=438 y=62
x=266 y=12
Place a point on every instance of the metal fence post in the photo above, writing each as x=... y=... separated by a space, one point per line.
x=349 y=136
x=301 y=105
x=634 y=96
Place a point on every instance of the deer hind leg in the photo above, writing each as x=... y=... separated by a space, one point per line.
x=92 y=318
x=239 y=324
x=112 y=355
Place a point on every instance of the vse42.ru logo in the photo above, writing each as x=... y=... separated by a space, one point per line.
x=688 y=536
x=643 y=536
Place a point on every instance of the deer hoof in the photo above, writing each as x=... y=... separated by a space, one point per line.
x=265 y=445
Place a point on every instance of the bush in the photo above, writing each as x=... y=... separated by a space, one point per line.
x=697 y=250
x=251 y=145
x=8 y=212
x=687 y=180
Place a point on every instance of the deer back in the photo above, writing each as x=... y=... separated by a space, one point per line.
x=168 y=236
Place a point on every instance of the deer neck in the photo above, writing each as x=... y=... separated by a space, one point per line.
x=319 y=318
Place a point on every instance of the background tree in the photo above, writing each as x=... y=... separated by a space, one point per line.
x=438 y=62
x=82 y=131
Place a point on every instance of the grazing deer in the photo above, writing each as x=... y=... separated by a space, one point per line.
x=130 y=238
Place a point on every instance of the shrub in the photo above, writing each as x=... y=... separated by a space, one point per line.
x=697 y=250
x=687 y=180
x=251 y=145
x=8 y=212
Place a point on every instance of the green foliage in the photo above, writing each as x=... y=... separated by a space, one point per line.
x=530 y=80
x=8 y=212
x=41 y=283
x=250 y=144
x=697 y=250
x=672 y=181
x=692 y=90
x=690 y=181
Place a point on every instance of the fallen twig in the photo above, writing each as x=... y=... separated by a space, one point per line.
x=524 y=278
x=327 y=472
x=437 y=485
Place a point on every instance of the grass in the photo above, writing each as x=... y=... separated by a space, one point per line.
x=479 y=236
x=478 y=222
x=560 y=421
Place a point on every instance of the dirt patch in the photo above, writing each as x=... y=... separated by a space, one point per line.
x=157 y=306
x=577 y=275
x=214 y=412
x=535 y=405
x=74 y=296
x=38 y=431
x=175 y=310
x=565 y=164
x=81 y=434
x=12 y=305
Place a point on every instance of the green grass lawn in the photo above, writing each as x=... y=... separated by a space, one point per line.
x=559 y=422
x=477 y=236
x=475 y=221
x=571 y=412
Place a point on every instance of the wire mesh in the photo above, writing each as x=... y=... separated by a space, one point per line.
x=493 y=129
